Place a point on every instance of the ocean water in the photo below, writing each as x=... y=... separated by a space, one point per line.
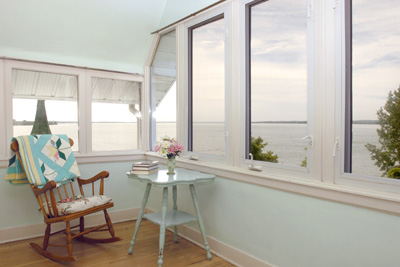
x=285 y=140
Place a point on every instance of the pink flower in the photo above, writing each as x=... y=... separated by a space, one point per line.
x=157 y=148
x=171 y=149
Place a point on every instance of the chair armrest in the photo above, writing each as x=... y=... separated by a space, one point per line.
x=48 y=186
x=100 y=176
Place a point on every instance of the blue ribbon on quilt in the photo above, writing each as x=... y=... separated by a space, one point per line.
x=44 y=158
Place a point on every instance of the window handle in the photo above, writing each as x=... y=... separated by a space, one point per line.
x=309 y=139
x=335 y=3
x=309 y=8
x=253 y=167
x=336 y=147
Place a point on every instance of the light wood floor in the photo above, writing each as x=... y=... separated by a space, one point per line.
x=183 y=253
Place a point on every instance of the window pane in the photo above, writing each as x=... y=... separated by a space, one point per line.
x=277 y=90
x=45 y=103
x=115 y=114
x=208 y=88
x=375 y=71
x=163 y=88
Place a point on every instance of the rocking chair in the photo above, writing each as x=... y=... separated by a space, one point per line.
x=57 y=201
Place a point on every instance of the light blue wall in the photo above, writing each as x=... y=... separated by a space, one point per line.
x=286 y=229
x=114 y=35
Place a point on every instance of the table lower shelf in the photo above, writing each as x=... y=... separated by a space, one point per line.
x=173 y=218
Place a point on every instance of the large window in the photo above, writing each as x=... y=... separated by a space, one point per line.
x=115 y=114
x=372 y=124
x=207 y=87
x=276 y=55
x=99 y=110
x=163 y=89
x=45 y=103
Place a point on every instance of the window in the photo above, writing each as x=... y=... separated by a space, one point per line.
x=276 y=81
x=207 y=87
x=45 y=103
x=373 y=53
x=163 y=89
x=99 y=110
x=115 y=114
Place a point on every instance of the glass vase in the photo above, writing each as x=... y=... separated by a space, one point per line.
x=171 y=165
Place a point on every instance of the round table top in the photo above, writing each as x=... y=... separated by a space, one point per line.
x=181 y=176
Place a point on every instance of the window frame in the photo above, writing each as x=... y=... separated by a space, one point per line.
x=152 y=137
x=219 y=12
x=277 y=169
x=84 y=154
x=343 y=99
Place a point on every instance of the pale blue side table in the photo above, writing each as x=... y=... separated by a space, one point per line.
x=173 y=217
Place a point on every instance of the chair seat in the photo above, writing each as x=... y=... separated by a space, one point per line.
x=79 y=203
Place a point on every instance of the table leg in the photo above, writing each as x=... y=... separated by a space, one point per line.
x=201 y=225
x=174 y=194
x=139 y=219
x=163 y=225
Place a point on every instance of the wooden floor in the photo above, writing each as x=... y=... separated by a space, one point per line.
x=145 y=251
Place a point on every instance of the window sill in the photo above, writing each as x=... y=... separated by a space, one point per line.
x=374 y=200
x=98 y=157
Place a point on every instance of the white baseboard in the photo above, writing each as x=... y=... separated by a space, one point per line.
x=222 y=250
x=35 y=230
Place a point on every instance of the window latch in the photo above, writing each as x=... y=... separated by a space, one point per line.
x=309 y=9
x=336 y=146
x=309 y=139
x=253 y=167
x=335 y=3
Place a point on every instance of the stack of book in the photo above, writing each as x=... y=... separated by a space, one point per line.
x=144 y=167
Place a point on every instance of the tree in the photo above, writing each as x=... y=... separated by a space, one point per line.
x=304 y=161
x=41 y=124
x=388 y=154
x=257 y=145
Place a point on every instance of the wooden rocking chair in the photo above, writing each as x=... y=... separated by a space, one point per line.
x=46 y=197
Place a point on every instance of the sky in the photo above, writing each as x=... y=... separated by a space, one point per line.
x=279 y=70
x=376 y=55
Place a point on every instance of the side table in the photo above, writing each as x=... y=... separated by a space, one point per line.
x=173 y=217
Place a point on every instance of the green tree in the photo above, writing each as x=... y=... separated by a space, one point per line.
x=257 y=146
x=41 y=124
x=388 y=154
x=304 y=161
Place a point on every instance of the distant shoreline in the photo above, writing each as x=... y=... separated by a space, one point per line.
x=255 y=122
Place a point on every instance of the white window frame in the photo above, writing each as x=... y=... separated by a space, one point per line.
x=343 y=45
x=152 y=107
x=113 y=76
x=84 y=75
x=224 y=10
x=325 y=61
x=277 y=169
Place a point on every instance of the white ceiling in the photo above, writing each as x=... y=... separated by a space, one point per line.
x=104 y=34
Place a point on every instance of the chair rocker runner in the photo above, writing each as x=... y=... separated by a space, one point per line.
x=59 y=203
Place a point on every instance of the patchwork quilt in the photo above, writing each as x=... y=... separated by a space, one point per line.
x=44 y=158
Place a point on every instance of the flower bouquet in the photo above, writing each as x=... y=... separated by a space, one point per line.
x=169 y=147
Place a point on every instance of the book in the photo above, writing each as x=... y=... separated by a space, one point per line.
x=144 y=172
x=143 y=168
x=145 y=164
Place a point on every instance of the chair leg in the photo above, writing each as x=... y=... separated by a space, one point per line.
x=46 y=237
x=81 y=224
x=109 y=224
x=69 y=238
